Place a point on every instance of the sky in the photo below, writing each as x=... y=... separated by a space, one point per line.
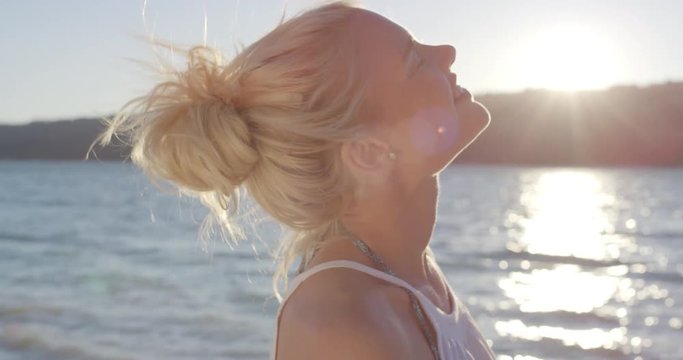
x=68 y=59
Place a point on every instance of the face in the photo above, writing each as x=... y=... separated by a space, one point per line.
x=413 y=103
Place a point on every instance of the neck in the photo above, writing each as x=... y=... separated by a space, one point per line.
x=401 y=234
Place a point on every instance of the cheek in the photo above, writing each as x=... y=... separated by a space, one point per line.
x=433 y=131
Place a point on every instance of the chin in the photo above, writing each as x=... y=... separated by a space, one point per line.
x=478 y=113
x=474 y=119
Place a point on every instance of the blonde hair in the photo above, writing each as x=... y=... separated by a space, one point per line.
x=271 y=121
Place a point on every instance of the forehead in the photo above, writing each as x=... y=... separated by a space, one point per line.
x=378 y=41
x=372 y=24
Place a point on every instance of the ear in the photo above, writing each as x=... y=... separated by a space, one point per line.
x=365 y=155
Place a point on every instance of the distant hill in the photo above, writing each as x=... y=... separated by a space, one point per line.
x=55 y=140
x=624 y=125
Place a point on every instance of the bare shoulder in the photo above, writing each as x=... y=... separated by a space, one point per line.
x=335 y=315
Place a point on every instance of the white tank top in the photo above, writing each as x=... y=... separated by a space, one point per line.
x=458 y=337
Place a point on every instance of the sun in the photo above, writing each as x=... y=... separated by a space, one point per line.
x=568 y=57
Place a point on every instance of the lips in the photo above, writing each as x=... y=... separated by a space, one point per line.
x=459 y=92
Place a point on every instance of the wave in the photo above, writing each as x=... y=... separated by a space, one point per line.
x=7 y=311
x=50 y=343
x=660 y=276
x=559 y=349
x=593 y=318
x=17 y=236
x=664 y=235
x=556 y=259
x=649 y=275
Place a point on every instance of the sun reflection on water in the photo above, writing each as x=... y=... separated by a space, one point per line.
x=565 y=217
x=563 y=288
x=564 y=230
x=586 y=339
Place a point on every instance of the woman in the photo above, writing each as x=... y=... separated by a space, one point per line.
x=337 y=123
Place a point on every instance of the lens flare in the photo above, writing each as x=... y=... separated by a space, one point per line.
x=434 y=130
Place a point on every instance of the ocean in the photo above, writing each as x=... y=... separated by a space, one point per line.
x=553 y=263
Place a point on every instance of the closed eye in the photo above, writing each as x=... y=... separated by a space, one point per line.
x=419 y=62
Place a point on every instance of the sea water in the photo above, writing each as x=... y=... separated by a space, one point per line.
x=553 y=263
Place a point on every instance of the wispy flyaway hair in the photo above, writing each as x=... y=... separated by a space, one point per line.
x=270 y=121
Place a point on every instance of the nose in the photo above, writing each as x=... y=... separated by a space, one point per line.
x=444 y=56
x=448 y=54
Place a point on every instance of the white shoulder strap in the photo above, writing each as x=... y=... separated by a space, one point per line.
x=348 y=264
x=333 y=264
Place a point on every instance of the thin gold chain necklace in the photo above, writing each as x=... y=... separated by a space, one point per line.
x=365 y=249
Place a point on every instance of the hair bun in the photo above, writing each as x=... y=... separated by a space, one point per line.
x=188 y=129
x=207 y=79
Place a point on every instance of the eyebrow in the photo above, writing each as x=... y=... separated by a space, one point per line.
x=408 y=48
x=406 y=52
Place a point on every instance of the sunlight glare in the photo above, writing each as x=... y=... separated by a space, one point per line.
x=563 y=219
x=569 y=57
x=566 y=218
x=564 y=225
x=563 y=288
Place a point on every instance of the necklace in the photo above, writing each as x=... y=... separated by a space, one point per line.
x=365 y=249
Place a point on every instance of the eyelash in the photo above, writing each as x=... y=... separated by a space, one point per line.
x=420 y=62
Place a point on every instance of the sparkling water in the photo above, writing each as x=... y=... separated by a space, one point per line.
x=554 y=263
